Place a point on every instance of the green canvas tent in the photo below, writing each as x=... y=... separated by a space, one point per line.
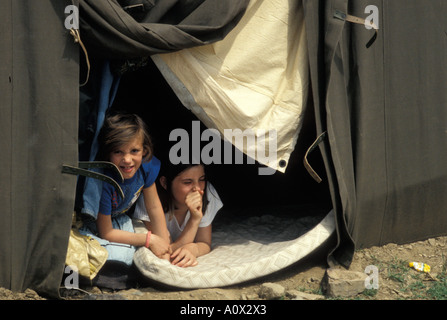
x=379 y=110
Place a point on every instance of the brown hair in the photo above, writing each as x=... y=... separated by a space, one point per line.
x=120 y=129
x=170 y=171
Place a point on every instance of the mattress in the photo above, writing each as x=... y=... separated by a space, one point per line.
x=243 y=249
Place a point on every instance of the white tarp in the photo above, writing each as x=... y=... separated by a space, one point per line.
x=255 y=80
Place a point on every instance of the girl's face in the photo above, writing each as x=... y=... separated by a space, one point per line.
x=189 y=180
x=128 y=157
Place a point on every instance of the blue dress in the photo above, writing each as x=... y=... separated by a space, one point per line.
x=102 y=197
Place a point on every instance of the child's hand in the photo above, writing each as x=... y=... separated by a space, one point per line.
x=160 y=247
x=194 y=202
x=182 y=257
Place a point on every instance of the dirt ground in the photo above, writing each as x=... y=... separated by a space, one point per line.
x=396 y=280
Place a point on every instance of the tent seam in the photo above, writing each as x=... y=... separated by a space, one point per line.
x=384 y=89
x=11 y=143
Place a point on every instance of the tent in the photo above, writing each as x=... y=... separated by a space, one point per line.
x=378 y=111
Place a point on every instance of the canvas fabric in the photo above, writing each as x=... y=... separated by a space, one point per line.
x=111 y=32
x=39 y=104
x=254 y=83
x=381 y=108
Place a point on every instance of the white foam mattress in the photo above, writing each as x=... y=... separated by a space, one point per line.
x=243 y=250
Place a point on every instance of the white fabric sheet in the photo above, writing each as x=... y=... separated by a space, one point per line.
x=256 y=78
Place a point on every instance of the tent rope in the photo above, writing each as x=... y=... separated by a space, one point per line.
x=77 y=38
x=308 y=167
x=353 y=19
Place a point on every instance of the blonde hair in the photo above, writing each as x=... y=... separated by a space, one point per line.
x=120 y=129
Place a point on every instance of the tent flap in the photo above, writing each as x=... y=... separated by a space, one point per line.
x=39 y=106
x=111 y=32
x=253 y=82
x=384 y=111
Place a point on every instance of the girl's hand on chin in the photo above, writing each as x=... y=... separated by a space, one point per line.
x=194 y=202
